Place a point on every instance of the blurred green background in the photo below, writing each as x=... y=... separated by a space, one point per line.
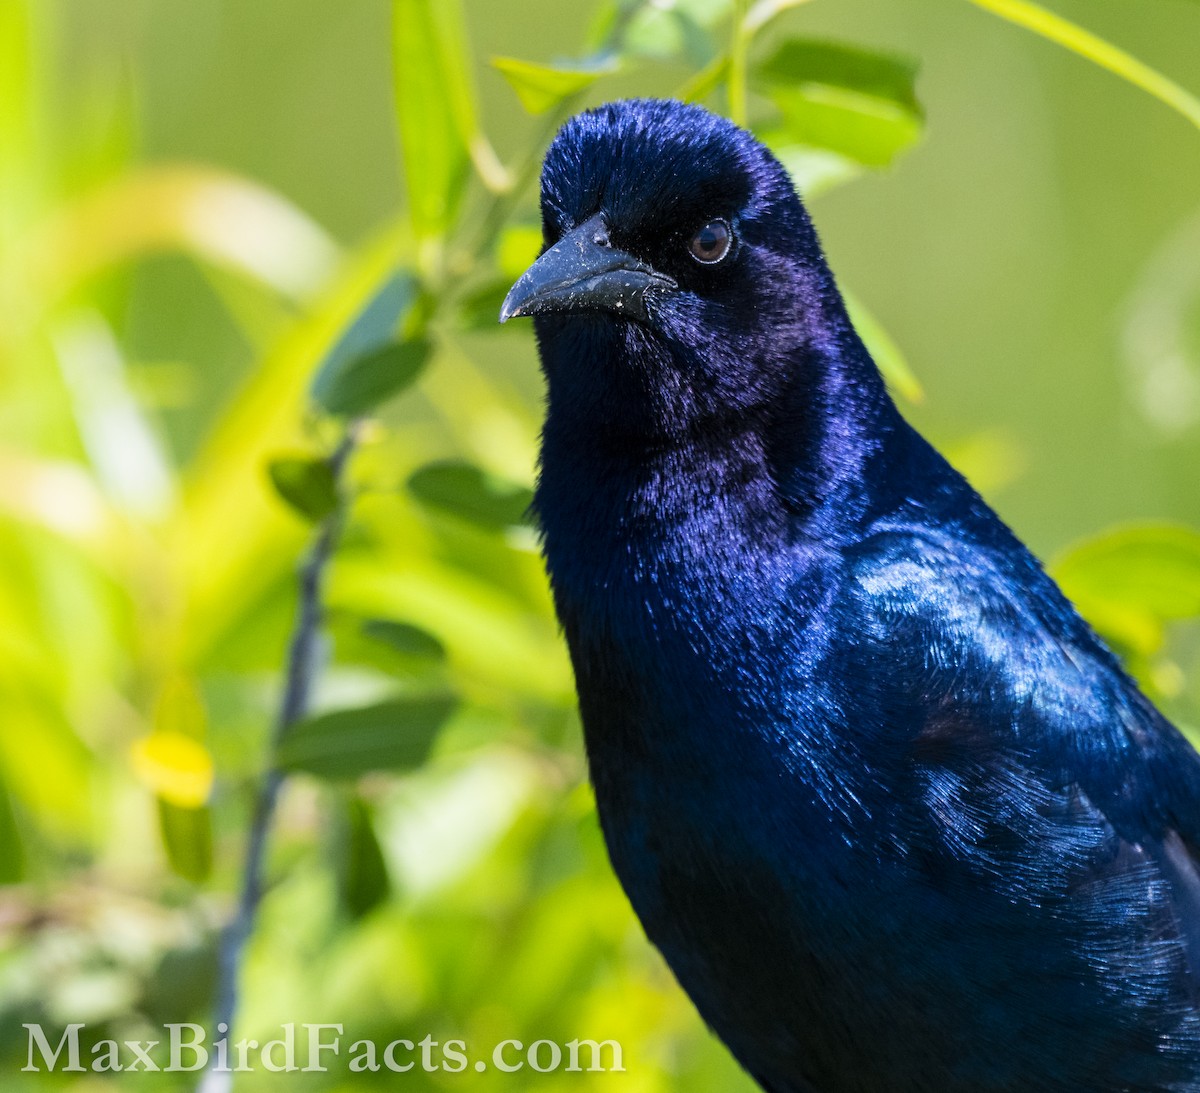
x=204 y=205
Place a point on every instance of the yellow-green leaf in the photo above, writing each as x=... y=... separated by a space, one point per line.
x=886 y=353
x=542 y=87
x=1153 y=569
x=1096 y=49
x=434 y=108
x=517 y=249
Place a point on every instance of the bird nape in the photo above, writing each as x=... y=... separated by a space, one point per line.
x=892 y=812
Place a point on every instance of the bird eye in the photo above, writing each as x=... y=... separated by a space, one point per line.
x=712 y=242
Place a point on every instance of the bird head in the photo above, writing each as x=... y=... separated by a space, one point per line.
x=679 y=276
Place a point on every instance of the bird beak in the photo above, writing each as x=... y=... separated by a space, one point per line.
x=582 y=272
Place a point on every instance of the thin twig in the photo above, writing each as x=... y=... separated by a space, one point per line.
x=303 y=654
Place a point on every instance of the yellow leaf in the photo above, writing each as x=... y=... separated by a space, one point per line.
x=176 y=767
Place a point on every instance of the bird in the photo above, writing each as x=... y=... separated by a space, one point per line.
x=894 y=815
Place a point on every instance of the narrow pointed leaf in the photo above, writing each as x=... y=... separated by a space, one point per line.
x=393 y=735
x=384 y=316
x=187 y=837
x=472 y=494
x=434 y=104
x=364 y=383
x=542 y=87
x=404 y=638
x=1083 y=42
x=363 y=881
x=308 y=485
x=887 y=354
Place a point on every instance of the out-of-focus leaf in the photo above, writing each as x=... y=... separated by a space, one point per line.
x=221 y=570
x=886 y=353
x=675 y=28
x=375 y=327
x=12 y=852
x=859 y=104
x=181 y=985
x=46 y=767
x=344 y=744
x=479 y=309
x=541 y=87
x=122 y=443
x=1105 y=54
x=814 y=171
x=990 y=460
x=1152 y=569
x=363 y=881
x=434 y=105
x=187 y=836
x=406 y=639
x=180 y=709
x=492 y=637
x=801 y=62
x=307 y=484
x=210 y=214
x=363 y=383
x=19 y=122
x=176 y=767
x=703 y=83
x=472 y=494
x=517 y=249
x=765 y=11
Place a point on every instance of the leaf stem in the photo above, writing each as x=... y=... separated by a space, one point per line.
x=302 y=662
x=1067 y=34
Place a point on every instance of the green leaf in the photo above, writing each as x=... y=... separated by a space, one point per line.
x=814 y=171
x=859 y=104
x=479 y=309
x=886 y=353
x=410 y=641
x=766 y=11
x=363 y=383
x=187 y=836
x=471 y=494
x=674 y=28
x=12 y=851
x=344 y=744
x=1086 y=44
x=390 y=307
x=1153 y=569
x=542 y=87
x=307 y=484
x=434 y=106
x=363 y=882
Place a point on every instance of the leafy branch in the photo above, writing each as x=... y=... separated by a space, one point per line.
x=302 y=665
x=834 y=111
